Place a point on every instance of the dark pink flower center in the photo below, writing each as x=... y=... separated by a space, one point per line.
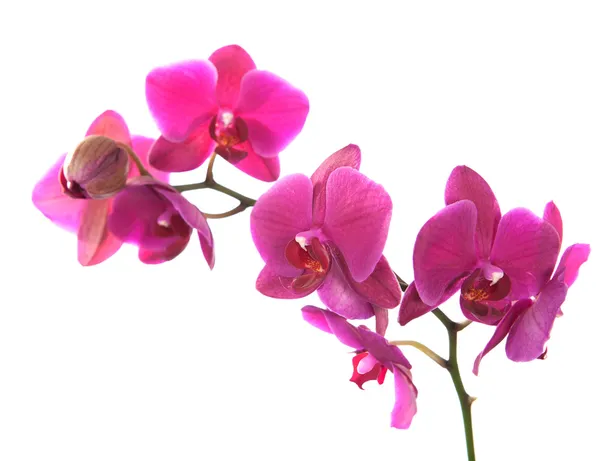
x=484 y=297
x=313 y=258
x=71 y=188
x=229 y=131
x=371 y=369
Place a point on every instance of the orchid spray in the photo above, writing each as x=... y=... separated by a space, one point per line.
x=325 y=233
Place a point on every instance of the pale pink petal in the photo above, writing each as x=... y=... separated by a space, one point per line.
x=182 y=156
x=570 y=262
x=382 y=319
x=279 y=214
x=48 y=197
x=552 y=215
x=502 y=329
x=141 y=146
x=330 y=322
x=273 y=285
x=264 y=169
x=111 y=125
x=347 y=156
x=232 y=63
x=531 y=331
x=95 y=243
x=526 y=249
x=412 y=306
x=181 y=97
x=273 y=110
x=466 y=184
x=340 y=297
x=405 y=406
x=357 y=219
x=445 y=252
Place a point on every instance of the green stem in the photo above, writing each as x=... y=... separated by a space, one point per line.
x=465 y=399
x=238 y=209
x=423 y=348
x=211 y=184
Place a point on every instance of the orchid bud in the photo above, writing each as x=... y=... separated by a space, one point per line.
x=96 y=169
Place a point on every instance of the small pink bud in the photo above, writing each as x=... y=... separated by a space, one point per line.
x=96 y=169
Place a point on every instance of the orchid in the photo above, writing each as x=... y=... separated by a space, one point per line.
x=65 y=201
x=469 y=246
x=529 y=321
x=327 y=233
x=159 y=220
x=374 y=357
x=225 y=105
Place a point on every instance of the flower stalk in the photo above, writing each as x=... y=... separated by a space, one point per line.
x=452 y=366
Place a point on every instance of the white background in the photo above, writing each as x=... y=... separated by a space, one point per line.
x=173 y=362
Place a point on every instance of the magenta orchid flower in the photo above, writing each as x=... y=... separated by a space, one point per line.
x=223 y=105
x=58 y=200
x=159 y=220
x=468 y=246
x=327 y=233
x=528 y=322
x=374 y=358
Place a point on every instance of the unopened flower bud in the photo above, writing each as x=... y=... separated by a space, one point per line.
x=96 y=169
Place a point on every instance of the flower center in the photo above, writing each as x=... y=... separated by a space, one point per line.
x=484 y=292
x=310 y=256
x=228 y=131
x=476 y=294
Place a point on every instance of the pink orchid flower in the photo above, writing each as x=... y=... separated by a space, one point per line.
x=469 y=246
x=528 y=322
x=374 y=357
x=327 y=233
x=159 y=220
x=225 y=105
x=88 y=217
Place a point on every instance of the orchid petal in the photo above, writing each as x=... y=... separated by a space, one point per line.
x=207 y=245
x=412 y=306
x=95 y=243
x=357 y=219
x=141 y=145
x=552 y=215
x=445 y=251
x=159 y=256
x=381 y=288
x=405 y=406
x=181 y=97
x=232 y=63
x=526 y=248
x=466 y=184
x=273 y=285
x=339 y=296
x=329 y=322
x=273 y=110
x=182 y=156
x=279 y=214
x=502 y=329
x=48 y=197
x=111 y=125
x=381 y=349
x=570 y=262
x=531 y=331
x=347 y=156
x=188 y=211
x=382 y=319
x=261 y=168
